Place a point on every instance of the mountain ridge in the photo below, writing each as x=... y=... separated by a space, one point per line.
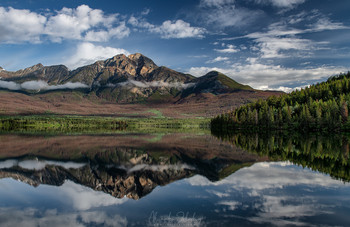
x=128 y=79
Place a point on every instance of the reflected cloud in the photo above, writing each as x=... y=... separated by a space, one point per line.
x=34 y=217
x=266 y=175
x=278 y=193
x=39 y=164
x=84 y=198
x=159 y=168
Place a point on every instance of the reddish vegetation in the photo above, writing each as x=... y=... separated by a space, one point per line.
x=71 y=102
x=75 y=147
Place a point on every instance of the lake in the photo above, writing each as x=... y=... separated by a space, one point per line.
x=174 y=179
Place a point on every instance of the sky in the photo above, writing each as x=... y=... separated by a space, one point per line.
x=267 y=44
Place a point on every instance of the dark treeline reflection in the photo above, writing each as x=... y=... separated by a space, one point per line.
x=325 y=153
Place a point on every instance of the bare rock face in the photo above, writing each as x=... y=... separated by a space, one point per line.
x=144 y=65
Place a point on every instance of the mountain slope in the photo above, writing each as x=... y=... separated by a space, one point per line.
x=216 y=83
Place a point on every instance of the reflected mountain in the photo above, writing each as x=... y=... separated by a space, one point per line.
x=121 y=165
x=324 y=153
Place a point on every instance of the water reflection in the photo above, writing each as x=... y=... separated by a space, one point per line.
x=325 y=153
x=122 y=165
x=172 y=180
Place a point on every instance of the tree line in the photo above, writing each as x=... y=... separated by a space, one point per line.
x=320 y=107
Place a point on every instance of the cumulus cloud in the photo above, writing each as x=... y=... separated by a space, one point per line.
x=218 y=59
x=178 y=29
x=229 y=49
x=81 y=23
x=88 y=53
x=20 y=25
x=40 y=85
x=134 y=83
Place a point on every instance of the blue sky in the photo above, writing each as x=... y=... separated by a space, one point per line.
x=268 y=44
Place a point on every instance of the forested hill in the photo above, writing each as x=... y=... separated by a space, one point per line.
x=320 y=107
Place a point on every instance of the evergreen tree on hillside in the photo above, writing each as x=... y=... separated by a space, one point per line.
x=323 y=106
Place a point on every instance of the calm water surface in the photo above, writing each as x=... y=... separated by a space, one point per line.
x=173 y=180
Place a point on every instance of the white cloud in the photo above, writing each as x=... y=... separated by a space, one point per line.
x=20 y=25
x=289 y=4
x=145 y=84
x=230 y=49
x=179 y=29
x=324 y=24
x=81 y=23
x=271 y=76
x=215 y=3
x=9 y=85
x=102 y=36
x=224 y=13
x=281 y=88
x=40 y=85
x=282 y=39
x=88 y=53
x=218 y=59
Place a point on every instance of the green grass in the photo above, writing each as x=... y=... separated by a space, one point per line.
x=232 y=83
x=158 y=113
x=81 y=124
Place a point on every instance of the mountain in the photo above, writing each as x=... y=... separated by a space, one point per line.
x=133 y=79
x=128 y=79
x=216 y=83
x=51 y=74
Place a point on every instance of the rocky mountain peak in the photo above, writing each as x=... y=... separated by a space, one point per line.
x=144 y=65
x=32 y=68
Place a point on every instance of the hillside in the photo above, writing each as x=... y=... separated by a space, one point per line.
x=320 y=107
x=133 y=81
